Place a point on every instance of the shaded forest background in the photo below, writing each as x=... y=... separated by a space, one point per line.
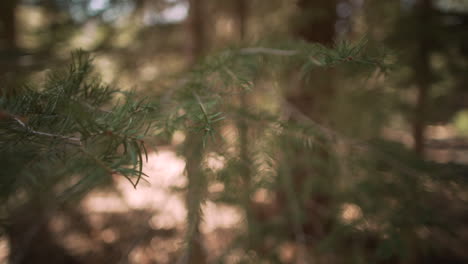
x=308 y=131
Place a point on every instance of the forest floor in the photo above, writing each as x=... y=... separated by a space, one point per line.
x=157 y=207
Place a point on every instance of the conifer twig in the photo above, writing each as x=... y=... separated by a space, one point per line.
x=263 y=50
x=73 y=140
x=202 y=107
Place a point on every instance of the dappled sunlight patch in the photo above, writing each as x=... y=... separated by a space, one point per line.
x=4 y=250
x=79 y=243
x=168 y=246
x=215 y=162
x=166 y=207
x=178 y=138
x=165 y=171
x=168 y=219
x=138 y=255
x=350 y=213
x=109 y=235
x=219 y=216
x=398 y=135
x=263 y=195
x=216 y=187
x=101 y=202
x=106 y=67
x=440 y=132
x=287 y=252
x=149 y=72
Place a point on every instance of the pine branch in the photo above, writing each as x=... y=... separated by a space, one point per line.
x=268 y=51
x=67 y=110
x=72 y=140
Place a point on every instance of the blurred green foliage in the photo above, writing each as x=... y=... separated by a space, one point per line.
x=323 y=131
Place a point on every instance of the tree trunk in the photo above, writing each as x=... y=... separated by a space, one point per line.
x=196 y=31
x=193 y=149
x=30 y=238
x=8 y=45
x=309 y=209
x=241 y=14
x=423 y=75
x=316 y=24
x=8 y=24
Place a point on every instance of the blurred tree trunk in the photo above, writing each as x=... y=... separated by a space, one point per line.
x=193 y=149
x=241 y=15
x=8 y=24
x=422 y=75
x=8 y=44
x=30 y=237
x=196 y=31
x=300 y=178
x=316 y=23
x=314 y=99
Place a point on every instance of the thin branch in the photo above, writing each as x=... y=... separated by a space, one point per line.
x=73 y=140
x=307 y=120
x=233 y=76
x=262 y=50
x=90 y=107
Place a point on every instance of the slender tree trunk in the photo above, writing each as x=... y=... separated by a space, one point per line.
x=8 y=45
x=422 y=75
x=311 y=215
x=242 y=13
x=316 y=23
x=193 y=149
x=8 y=23
x=30 y=238
x=241 y=10
x=196 y=31
x=314 y=99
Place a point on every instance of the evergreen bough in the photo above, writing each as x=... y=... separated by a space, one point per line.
x=72 y=133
